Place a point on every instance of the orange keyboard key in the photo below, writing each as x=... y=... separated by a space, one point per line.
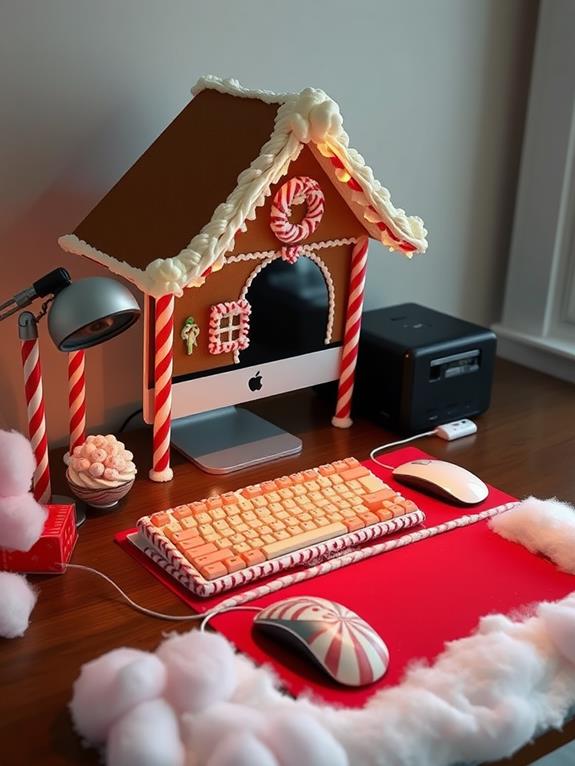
x=283 y=482
x=384 y=514
x=375 y=499
x=368 y=517
x=397 y=510
x=160 y=519
x=410 y=506
x=268 y=486
x=354 y=473
x=351 y=462
x=326 y=470
x=234 y=564
x=297 y=478
x=310 y=474
x=254 y=556
x=214 y=502
x=229 y=498
x=212 y=558
x=187 y=546
x=340 y=466
x=254 y=490
x=181 y=511
x=198 y=507
x=213 y=571
x=193 y=551
x=183 y=534
x=354 y=523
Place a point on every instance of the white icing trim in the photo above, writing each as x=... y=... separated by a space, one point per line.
x=326 y=275
x=330 y=291
x=71 y=244
x=308 y=117
x=309 y=246
x=248 y=283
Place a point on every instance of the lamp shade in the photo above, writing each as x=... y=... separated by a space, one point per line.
x=89 y=312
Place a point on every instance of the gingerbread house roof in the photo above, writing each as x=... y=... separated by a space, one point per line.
x=204 y=178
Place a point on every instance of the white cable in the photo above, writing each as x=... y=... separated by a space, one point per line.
x=374 y=452
x=151 y=613
x=215 y=612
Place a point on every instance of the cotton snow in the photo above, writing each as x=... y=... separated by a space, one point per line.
x=17 y=599
x=542 y=526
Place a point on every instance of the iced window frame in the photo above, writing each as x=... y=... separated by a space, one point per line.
x=229 y=319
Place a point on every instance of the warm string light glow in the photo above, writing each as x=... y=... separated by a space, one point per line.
x=370 y=214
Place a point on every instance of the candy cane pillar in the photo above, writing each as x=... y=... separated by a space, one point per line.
x=28 y=333
x=77 y=398
x=163 y=354
x=350 y=348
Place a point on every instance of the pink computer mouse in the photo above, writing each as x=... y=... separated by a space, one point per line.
x=446 y=480
x=343 y=644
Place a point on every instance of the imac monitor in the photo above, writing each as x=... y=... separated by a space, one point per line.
x=294 y=342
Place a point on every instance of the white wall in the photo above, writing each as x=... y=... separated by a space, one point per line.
x=433 y=94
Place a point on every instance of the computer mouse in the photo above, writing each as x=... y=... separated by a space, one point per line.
x=333 y=636
x=446 y=480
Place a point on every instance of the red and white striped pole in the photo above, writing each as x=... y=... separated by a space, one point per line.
x=28 y=333
x=77 y=398
x=163 y=363
x=350 y=348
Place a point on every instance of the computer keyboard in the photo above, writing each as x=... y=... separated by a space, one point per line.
x=227 y=540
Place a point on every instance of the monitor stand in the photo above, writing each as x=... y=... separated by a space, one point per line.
x=231 y=438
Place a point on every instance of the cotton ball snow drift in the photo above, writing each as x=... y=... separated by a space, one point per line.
x=193 y=660
x=110 y=686
x=16 y=604
x=147 y=736
x=21 y=517
x=542 y=526
x=17 y=464
x=22 y=520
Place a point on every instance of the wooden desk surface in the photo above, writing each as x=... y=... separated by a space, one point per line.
x=525 y=445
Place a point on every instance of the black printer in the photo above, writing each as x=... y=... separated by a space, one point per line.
x=418 y=368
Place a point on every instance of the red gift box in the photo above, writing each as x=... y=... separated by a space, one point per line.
x=54 y=546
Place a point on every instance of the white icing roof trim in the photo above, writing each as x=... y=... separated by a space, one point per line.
x=302 y=117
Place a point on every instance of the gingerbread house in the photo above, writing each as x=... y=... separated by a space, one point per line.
x=241 y=179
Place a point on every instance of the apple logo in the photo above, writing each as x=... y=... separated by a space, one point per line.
x=255 y=383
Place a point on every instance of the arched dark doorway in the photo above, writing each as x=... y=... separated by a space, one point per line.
x=290 y=311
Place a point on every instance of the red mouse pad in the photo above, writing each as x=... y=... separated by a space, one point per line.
x=417 y=598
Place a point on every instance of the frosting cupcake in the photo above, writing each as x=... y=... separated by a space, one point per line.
x=98 y=467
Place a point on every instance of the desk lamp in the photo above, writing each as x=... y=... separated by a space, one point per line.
x=80 y=315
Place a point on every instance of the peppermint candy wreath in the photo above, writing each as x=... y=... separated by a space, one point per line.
x=293 y=192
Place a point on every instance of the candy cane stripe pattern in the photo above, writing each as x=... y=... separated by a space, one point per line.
x=293 y=192
x=77 y=398
x=36 y=418
x=350 y=348
x=334 y=625
x=163 y=363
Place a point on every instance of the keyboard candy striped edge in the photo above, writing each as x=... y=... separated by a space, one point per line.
x=173 y=562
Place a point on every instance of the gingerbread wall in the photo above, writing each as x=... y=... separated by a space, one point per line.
x=227 y=284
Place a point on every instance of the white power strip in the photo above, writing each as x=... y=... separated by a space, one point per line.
x=456 y=430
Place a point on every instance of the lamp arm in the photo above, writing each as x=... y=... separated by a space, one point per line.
x=50 y=284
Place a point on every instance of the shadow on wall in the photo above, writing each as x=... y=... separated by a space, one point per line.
x=114 y=369
x=504 y=146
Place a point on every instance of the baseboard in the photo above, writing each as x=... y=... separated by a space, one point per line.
x=556 y=358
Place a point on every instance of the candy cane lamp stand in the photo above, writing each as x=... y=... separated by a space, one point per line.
x=80 y=315
x=28 y=334
x=77 y=398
